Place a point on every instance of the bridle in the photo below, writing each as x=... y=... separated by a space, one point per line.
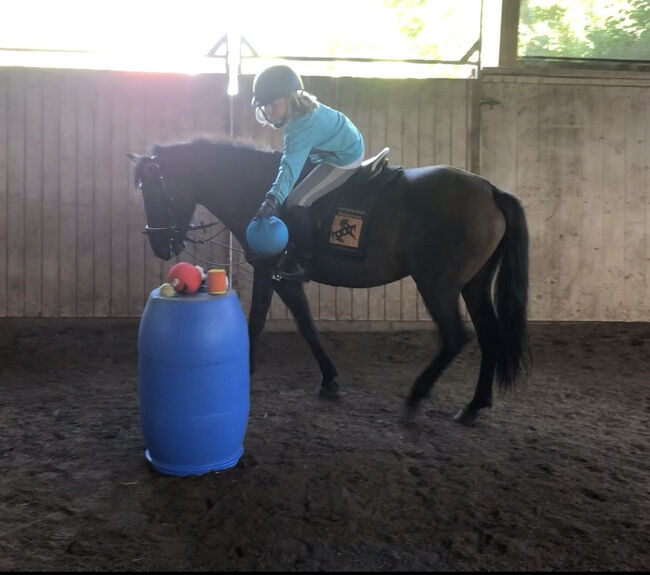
x=178 y=233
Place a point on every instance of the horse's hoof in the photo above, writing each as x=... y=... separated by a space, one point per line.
x=409 y=413
x=329 y=394
x=467 y=416
x=411 y=409
x=329 y=390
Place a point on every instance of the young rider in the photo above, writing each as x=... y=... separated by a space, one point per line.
x=311 y=130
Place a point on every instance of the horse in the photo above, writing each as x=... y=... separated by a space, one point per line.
x=454 y=232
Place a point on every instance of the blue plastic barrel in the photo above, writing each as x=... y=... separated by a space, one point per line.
x=193 y=369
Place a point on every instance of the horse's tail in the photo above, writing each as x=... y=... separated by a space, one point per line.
x=511 y=293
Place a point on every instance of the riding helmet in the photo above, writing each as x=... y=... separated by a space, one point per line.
x=273 y=83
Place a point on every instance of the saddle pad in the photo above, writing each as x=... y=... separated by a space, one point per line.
x=343 y=216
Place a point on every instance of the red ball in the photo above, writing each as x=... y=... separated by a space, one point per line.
x=185 y=277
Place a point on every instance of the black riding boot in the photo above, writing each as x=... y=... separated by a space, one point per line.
x=295 y=263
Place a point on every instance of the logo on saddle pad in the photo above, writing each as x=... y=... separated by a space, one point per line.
x=345 y=231
x=344 y=216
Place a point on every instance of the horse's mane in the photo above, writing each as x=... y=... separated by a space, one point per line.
x=205 y=142
x=177 y=153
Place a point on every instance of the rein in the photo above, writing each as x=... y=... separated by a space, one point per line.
x=179 y=233
x=211 y=240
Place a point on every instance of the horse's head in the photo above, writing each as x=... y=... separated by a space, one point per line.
x=167 y=218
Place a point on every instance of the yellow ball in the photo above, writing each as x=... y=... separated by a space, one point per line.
x=167 y=290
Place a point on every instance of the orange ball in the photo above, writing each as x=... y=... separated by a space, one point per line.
x=185 y=277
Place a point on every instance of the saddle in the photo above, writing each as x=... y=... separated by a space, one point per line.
x=371 y=167
x=342 y=216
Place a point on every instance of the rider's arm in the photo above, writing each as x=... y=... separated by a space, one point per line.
x=298 y=142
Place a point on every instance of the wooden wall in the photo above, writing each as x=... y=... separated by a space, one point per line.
x=574 y=150
x=70 y=217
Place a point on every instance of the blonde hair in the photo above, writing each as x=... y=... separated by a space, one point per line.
x=299 y=103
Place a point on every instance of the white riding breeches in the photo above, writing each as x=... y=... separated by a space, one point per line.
x=322 y=179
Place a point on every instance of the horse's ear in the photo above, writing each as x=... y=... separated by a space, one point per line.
x=134 y=157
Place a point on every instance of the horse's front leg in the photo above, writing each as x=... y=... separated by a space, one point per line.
x=260 y=303
x=293 y=296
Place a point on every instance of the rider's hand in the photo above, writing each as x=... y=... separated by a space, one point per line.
x=269 y=207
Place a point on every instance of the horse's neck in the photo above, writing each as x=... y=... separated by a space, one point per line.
x=236 y=186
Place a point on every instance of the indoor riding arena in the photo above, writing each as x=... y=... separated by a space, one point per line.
x=101 y=470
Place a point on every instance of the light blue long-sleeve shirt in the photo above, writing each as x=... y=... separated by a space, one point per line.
x=324 y=135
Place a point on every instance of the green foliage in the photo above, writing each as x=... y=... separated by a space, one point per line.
x=627 y=36
x=547 y=31
x=407 y=15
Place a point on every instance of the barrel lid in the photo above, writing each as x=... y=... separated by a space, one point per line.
x=199 y=296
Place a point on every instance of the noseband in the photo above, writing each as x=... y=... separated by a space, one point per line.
x=152 y=172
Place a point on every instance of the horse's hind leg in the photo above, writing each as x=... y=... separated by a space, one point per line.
x=444 y=309
x=478 y=299
x=293 y=296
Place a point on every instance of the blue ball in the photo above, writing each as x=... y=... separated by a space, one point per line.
x=267 y=236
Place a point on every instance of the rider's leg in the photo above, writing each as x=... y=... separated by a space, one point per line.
x=295 y=264
x=322 y=179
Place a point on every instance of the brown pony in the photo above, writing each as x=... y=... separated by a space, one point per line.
x=452 y=231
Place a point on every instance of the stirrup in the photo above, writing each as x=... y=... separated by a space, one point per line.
x=302 y=274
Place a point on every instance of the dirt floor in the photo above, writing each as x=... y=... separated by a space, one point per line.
x=555 y=477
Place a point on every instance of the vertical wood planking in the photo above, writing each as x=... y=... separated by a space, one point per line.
x=51 y=194
x=544 y=262
x=613 y=205
x=587 y=216
x=15 y=196
x=378 y=137
x=569 y=139
x=410 y=121
x=635 y=231
x=574 y=150
x=103 y=175
x=645 y=315
x=442 y=124
x=68 y=193
x=137 y=243
x=553 y=255
x=85 y=199
x=395 y=130
x=121 y=190
x=528 y=187
x=460 y=114
x=33 y=277
x=5 y=78
x=590 y=106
